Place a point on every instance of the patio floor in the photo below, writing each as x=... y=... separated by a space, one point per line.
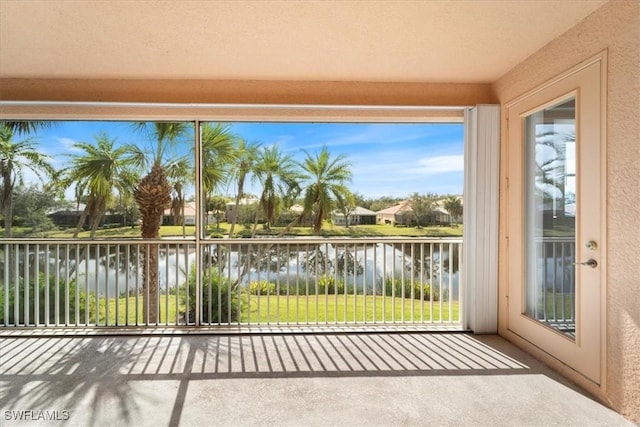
x=356 y=379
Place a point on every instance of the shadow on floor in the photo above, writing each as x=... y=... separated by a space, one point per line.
x=122 y=378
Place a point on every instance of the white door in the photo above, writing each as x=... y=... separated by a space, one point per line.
x=556 y=232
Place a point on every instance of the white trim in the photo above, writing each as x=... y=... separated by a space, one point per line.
x=60 y=110
x=230 y=106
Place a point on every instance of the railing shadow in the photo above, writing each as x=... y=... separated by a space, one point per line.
x=121 y=377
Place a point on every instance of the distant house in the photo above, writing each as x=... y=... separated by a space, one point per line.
x=397 y=214
x=402 y=214
x=295 y=213
x=67 y=217
x=440 y=216
x=70 y=218
x=297 y=209
x=232 y=210
x=358 y=216
x=189 y=215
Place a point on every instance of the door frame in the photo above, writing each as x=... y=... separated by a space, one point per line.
x=512 y=213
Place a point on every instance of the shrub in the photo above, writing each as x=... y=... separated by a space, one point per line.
x=245 y=233
x=327 y=285
x=394 y=287
x=63 y=302
x=262 y=288
x=224 y=308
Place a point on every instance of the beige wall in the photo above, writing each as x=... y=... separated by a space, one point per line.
x=247 y=92
x=616 y=28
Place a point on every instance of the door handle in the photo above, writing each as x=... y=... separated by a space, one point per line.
x=591 y=263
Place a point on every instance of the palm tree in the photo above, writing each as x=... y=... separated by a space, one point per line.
x=246 y=154
x=453 y=205
x=98 y=170
x=218 y=154
x=126 y=183
x=153 y=196
x=277 y=173
x=180 y=172
x=24 y=127
x=551 y=168
x=324 y=181
x=15 y=157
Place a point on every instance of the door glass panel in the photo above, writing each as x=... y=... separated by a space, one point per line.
x=550 y=218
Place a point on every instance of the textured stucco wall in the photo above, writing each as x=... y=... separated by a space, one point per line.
x=616 y=28
x=246 y=92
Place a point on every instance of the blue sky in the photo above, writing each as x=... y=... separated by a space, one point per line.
x=387 y=159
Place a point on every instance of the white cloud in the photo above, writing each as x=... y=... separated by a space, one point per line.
x=438 y=164
x=66 y=143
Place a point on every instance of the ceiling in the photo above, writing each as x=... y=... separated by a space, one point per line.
x=474 y=41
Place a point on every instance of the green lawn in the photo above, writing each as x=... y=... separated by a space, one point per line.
x=293 y=309
x=377 y=230
x=123 y=232
x=328 y=230
x=289 y=309
x=332 y=309
x=131 y=301
x=284 y=309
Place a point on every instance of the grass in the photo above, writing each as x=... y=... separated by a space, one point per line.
x=374 y=230
x=329 y=230
x=124 y=232
x=289 y=309
x=122 y=316
x=559 y=305
x=341 y=309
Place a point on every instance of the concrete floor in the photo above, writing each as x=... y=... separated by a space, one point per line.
x=358 y=379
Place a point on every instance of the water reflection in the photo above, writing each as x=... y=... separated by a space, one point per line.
x=118 y=271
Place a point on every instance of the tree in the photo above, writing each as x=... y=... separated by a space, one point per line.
x=324 y=181
x=98 y=171
x=277 y=173
x=245 y=158
x=362 y=201
x=179 y=172
x=383 y=203
x=24 y=127
x=423 y=207
x=31 y=204
x=153 y=196
x=346 y=206
x=218 y=154
x=125 y=205
x=15 y=158
x=550 y=173
x=453 y=205
x=217 y=205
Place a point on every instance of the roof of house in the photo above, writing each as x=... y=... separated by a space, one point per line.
x=189 y=209
x=297 y=208
x=401 y=207
x=360 y=211
x=245 y=201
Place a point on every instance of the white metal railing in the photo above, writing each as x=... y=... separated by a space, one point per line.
x=267 y=281
x=552 y=298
